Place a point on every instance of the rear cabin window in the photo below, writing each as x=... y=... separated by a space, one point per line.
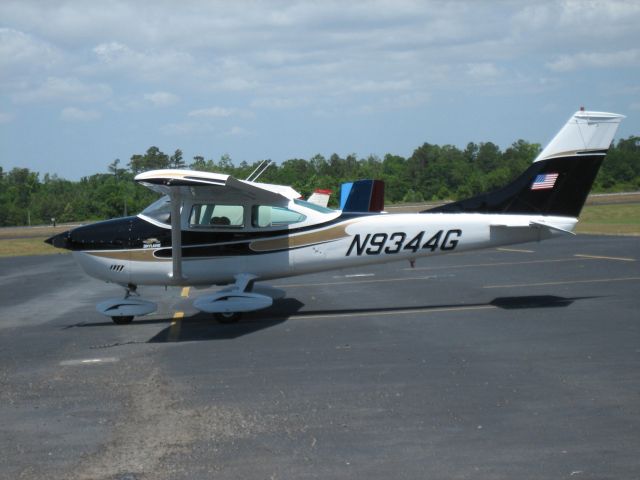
x=216 y=215
x=268 y=216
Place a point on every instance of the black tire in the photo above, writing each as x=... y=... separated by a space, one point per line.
x=228 y=317
x=122 y=320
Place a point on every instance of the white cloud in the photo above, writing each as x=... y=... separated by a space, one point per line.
x=483 y=71
x=279 y=103
x=567 y=63
x=220 y=112
x=150 y=65
x=21 y=53
x=161 y=99
x=73 y=114
x=236 y=131
x=212 y=112
x=577 y=20
x=186 y=128
x=61 y=89
x=374 y=86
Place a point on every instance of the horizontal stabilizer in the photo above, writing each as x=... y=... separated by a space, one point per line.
x=551 y=227
x=320 y=197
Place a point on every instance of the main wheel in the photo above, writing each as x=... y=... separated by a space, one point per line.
x=122 y=320
x=228 y=317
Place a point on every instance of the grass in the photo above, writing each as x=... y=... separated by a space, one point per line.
x=26 y=246
x=10 y=233
x=16 y=241
x=610 y=219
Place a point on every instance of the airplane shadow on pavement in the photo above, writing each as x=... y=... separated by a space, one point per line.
x=203 y=327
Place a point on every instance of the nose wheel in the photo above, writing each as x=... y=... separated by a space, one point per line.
x=228 y=317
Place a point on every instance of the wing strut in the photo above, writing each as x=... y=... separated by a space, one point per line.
x=176 y=236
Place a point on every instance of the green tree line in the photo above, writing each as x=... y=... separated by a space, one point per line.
x=432 y=172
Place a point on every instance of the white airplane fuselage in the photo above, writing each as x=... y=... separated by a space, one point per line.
x=362 y=240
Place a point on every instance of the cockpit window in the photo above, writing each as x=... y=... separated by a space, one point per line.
x=216 y=215
x=160 y=210
x=268 y=216
x=313 y=206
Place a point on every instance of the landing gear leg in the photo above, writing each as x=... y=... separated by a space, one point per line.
x=130 y=290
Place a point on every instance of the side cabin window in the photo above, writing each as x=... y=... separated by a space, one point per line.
x=216 y=215
x=267 y=216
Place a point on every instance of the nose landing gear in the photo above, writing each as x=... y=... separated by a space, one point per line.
x=122 y=311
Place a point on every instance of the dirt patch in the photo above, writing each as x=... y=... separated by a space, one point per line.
x=154 y=426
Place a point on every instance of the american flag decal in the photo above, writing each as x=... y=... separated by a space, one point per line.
x=544 y=181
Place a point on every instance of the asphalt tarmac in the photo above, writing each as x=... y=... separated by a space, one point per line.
x=521 y=362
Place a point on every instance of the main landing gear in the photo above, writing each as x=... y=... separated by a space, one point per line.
x=124 y=320
x=228 y=304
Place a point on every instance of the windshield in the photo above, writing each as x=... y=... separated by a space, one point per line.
x=160 y=210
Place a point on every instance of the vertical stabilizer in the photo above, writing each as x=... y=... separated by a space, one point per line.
x=560 y=178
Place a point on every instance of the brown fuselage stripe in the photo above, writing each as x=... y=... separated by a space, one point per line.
x=142 y=255
x=267 y=245
x=301 y=240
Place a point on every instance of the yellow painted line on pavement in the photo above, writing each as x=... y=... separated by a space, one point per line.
x=185 y=292
x=174 y=330
x=566 y=282
x=597 y=257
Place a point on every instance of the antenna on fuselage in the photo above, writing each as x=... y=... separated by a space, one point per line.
x=260 y=169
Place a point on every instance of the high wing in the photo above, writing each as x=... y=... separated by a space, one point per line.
x=215 y=185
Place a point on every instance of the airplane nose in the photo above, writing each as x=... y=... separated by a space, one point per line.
x=60 y=240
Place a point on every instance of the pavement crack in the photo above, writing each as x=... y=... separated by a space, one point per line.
x=116 y=344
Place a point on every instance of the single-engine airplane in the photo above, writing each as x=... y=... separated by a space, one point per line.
x=212 y=229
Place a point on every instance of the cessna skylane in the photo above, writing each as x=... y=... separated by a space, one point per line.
x=212 y=229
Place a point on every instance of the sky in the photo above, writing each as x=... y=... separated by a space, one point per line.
x=83 y=83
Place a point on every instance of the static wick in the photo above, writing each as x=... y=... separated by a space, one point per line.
x=412 y=262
